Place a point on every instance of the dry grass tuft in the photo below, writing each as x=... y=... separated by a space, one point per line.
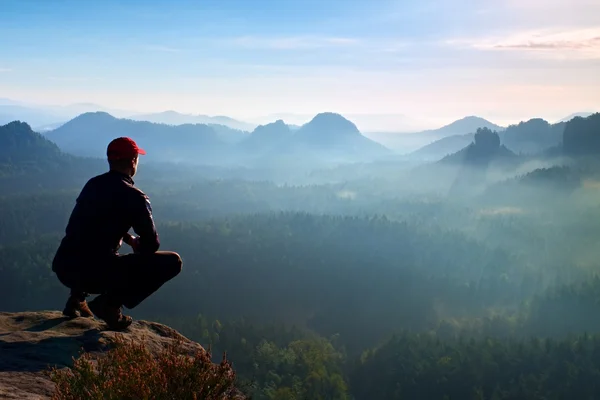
x=130 y=371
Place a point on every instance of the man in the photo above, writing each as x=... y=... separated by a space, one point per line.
x=88 y=261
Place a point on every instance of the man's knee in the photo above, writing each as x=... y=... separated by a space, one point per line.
x=175 y=264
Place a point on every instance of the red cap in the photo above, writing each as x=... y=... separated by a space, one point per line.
x=123 y=147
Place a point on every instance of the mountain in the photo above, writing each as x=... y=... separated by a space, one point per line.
x=229 y=135
x=407 y=143
x=30 y=163
x=90 y=133
x=174 y=118
x=443 y=147
x=33 y=116
x=40 y=116
x=583 y=114
x=326 y=138
x=265 y=138
x=23 y=149
x=334 y=138
x=462 y=126
x=485 y=149
x=465 y=172
x=533 y=136
x=582 y=136
x=484 y=160
x=528 y=137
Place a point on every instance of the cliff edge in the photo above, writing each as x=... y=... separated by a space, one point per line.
x=32 y=342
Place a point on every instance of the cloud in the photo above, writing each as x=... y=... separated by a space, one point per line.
x=560 y=45
x=292 y=42
x=577 y=44
x=5 y=70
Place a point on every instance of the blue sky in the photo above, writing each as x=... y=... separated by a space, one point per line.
x=430 y=60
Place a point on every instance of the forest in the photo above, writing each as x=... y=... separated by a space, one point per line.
x=472 y=277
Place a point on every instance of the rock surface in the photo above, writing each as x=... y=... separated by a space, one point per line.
x=31 y=342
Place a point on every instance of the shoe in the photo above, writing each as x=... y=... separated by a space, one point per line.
x=112 y=315
x=76 y=307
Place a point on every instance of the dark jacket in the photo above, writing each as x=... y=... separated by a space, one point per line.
x=107 y=207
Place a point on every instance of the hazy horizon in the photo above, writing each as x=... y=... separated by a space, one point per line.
x=421 y=65
x=369 y=123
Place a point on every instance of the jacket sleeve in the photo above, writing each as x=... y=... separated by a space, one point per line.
x=143 y=224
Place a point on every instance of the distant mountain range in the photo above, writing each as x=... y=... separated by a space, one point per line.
x=34 y=117
x=443 y=147
x=533 y=136
x=410 y=142
x=31 y=161
x=462 y=126
x=529 y=137
x=45 y=117
x=175 y=118
x=89 y=134
x=327 y=138
x=42 y=117
x=578 y=114
x=575 y=139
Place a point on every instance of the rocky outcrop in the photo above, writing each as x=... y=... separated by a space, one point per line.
x=32 y=342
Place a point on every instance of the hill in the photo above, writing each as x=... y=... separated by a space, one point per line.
x=31 y=163
x=545 y=186
x=33 y=116
x=265 y=138
x=19 y=143
x=460 y=127
x=44 y=117
x=408 y=143
x=327 y=138
x=443 y=147
x=533 y=136
x=583 y=114
x=582 y=136
x=90 y=133
x=485 y=149
x=23 y=150
x=476 y=165
x=32 y=342
x=229 y=135
x=528 y=137
x=331 y=137
x=174 y=118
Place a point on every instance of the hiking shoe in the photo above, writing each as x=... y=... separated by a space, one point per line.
x=113 y=316
x=75 y=307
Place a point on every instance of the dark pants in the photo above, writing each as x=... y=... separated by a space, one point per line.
x=124 y=279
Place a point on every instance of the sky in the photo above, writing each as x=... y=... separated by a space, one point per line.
x=410 y=62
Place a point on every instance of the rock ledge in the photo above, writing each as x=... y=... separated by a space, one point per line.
x=31 y=342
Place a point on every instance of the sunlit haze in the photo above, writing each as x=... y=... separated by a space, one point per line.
x=400 y=64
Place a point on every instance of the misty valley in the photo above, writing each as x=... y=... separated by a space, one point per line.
x=330 y=263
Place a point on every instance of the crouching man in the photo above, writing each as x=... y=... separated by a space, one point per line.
x=88 y=260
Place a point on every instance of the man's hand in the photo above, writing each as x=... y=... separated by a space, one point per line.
x=135 y=244
x=133 y=241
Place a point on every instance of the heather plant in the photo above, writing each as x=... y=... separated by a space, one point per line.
x=130 y=371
